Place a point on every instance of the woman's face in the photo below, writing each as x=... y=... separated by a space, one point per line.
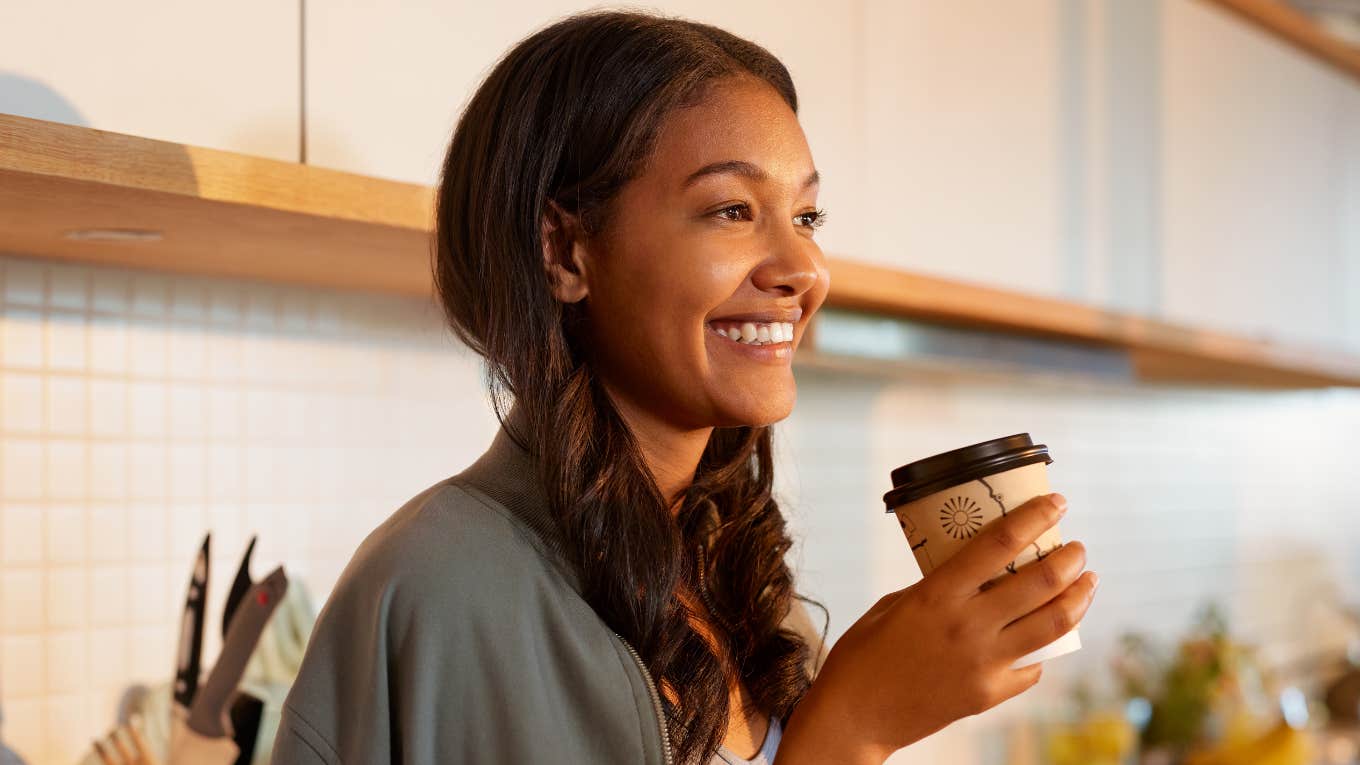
x=712 y=244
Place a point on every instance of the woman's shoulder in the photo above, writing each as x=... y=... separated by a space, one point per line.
x=446 y=612
x=442 y=540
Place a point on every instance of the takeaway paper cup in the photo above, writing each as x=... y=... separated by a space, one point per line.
x=943 y=501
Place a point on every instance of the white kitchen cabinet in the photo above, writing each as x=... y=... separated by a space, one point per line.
x=1350 y=220
x=964 y=140
x=220 y=75
x=1259 y=202
x=386 y=82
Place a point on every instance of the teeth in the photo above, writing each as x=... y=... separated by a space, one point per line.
x=752 y=333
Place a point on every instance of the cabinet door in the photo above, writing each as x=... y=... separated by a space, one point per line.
x=963 y=129
x=1255 y=164
x=386 y=81
x=221 y=75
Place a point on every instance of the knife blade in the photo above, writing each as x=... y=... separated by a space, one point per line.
x=191 y=629
x=239 y=587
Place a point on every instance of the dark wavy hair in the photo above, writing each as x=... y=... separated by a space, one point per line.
x=569 y=115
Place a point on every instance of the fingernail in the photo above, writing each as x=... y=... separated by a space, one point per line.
x=1095 y=582
x=1060 y=501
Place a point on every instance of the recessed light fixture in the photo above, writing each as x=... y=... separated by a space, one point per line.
x=114 y=235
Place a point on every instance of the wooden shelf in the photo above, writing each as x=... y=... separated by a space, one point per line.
x=1298 y=29
x=1160 y=351
x=218 y=213
x=226 y=214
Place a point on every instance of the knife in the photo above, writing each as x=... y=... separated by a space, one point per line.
x=191 y=629
x=208 y=714
x=239 y=587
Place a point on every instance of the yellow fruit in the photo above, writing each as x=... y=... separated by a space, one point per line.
x=1108 y=736
x=1066 y=748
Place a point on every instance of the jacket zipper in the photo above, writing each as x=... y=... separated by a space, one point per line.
x=646 y=675
x=656 y=698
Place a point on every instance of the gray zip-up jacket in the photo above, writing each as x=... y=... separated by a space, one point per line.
x=458 y=634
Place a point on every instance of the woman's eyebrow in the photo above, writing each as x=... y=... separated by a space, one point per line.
x=742 y=168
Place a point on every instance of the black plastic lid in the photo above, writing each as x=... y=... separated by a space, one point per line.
x=927 y=476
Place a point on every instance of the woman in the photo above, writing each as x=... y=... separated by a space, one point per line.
x=625 y=232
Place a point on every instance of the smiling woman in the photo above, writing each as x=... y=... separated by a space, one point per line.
x=625 y=233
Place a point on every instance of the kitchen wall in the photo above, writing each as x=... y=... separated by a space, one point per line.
x=1156 y=157
x=139 y=411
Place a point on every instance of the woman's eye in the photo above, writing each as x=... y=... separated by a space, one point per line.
x=730 y=208
x=813 y=219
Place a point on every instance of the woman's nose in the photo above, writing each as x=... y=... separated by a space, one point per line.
x=793 y=271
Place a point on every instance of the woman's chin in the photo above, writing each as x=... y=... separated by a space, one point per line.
x=756 y=412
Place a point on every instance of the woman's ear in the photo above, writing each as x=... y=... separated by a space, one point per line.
x=564 y=256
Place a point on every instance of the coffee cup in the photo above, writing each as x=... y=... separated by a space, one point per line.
x=943 y=501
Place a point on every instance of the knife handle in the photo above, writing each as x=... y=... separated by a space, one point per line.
x=208 y=715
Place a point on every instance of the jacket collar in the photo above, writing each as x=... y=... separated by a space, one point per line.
x=508 y=474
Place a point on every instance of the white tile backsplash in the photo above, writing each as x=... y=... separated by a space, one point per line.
x=307 y=417
x=21 y=600
x=22 y=470
x=109 y=668
x=21 y=403
x=148 y=531
x=188 y=412
x=188 y=472
x=108 y=407
x=67 y=405
x=108 y=345
x=67 y=534
x=109 y=596
x=150 y=588
x=20 y=526
x=21 y=338
x=152 y=649
x=67 y=337
x=148 y=346
x=66 y=661
x=147 y=470
x=67 y=597
x=109 y=532
x=66 y=713
x=108 y=471
x=147 y=409
x=67 y=474
x=24 y=668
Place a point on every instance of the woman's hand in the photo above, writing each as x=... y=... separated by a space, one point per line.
x=941 y=649
x=125 y=745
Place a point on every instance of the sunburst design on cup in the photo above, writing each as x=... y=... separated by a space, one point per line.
x=961 y=517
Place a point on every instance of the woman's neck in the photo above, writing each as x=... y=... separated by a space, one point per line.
x=671 y=452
